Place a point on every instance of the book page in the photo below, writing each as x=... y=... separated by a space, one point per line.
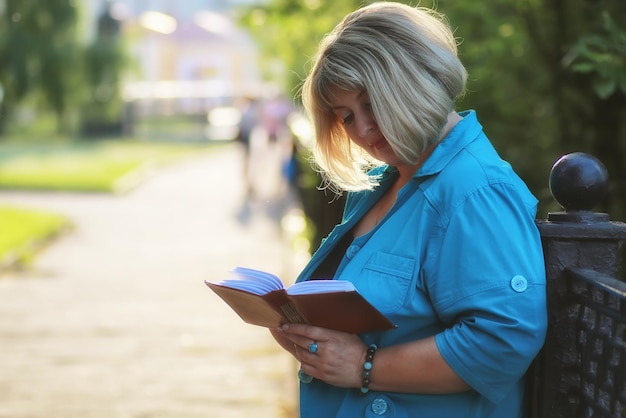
x=260 y=298
x=320 y=286
x=253 y=281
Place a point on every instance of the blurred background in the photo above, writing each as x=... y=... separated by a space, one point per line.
x=164 y=140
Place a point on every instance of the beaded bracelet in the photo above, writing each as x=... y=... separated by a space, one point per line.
x=367 y=369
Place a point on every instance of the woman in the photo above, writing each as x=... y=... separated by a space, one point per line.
x=438 y=233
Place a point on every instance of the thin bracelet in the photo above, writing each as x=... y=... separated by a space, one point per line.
x=367 y=369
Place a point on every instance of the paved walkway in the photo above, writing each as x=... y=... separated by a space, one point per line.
x=114 y=321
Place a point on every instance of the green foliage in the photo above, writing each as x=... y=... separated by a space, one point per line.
x=602 y=54
x=103 y=59
x=507 y=86
x=24 y=231
x=104 y=62
x=545 y=77
x=44 y=64
x=38 y=44
x=289 y=31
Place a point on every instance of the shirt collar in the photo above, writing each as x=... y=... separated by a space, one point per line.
x=463 y=133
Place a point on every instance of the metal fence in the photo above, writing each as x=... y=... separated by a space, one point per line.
x=581 y=369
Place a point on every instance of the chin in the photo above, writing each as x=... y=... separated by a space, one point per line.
x=389 y=157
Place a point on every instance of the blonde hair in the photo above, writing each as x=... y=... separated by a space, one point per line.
x=405 y=58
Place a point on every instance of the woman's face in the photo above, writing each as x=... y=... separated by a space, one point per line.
x=354 y=112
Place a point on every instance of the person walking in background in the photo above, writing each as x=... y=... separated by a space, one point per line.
x=250 y=119
x=276 y=110
x=268 y=157
x=438 y=232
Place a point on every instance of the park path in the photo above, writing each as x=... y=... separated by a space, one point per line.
x=114 y=320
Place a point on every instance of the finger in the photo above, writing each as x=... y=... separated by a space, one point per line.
x=311 y=349
x=309 y=331
x=303 y=335
x=299 y=341
x=305 y=356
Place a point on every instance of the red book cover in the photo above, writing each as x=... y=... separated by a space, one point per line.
x=260 y=298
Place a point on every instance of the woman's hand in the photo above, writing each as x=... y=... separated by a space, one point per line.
x=338 y=359
x=283 y=341
x=411 y=367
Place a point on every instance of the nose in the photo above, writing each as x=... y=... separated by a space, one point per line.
x=366 y=126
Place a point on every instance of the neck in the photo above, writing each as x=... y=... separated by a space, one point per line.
x=407 y=171
x=453 y=119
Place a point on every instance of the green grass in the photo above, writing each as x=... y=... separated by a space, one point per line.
x=100 y=166
x=108 y=166
x=24 y=231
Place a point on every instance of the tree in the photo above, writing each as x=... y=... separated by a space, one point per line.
x=587 y=67
x=38 y=52
x=289 y=31
x=550 y=80
x=104 y=60
x=547 y=77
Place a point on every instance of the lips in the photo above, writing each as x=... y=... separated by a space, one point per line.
x=379 y=144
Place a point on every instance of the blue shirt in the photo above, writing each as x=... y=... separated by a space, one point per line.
x=459 y=257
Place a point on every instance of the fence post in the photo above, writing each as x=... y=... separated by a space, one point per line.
x=577 y=238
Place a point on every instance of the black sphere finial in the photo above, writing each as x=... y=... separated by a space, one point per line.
x=578 y=181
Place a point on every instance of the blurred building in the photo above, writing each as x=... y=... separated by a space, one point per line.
x=190 y=58
x=184 y=49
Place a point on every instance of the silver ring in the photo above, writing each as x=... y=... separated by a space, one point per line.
x=313 y=347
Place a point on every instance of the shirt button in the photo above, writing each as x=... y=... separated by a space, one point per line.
x=519 y=283
x=379 y=406
x=352 y=251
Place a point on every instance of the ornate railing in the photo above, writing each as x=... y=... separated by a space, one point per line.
x=581 y=370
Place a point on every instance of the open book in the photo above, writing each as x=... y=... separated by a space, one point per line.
x=261 y=298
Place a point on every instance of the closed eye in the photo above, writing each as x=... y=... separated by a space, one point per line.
x=347 y=119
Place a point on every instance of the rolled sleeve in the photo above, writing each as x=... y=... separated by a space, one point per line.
x=488 y=287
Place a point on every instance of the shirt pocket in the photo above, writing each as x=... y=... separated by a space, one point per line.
x=385 y=280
